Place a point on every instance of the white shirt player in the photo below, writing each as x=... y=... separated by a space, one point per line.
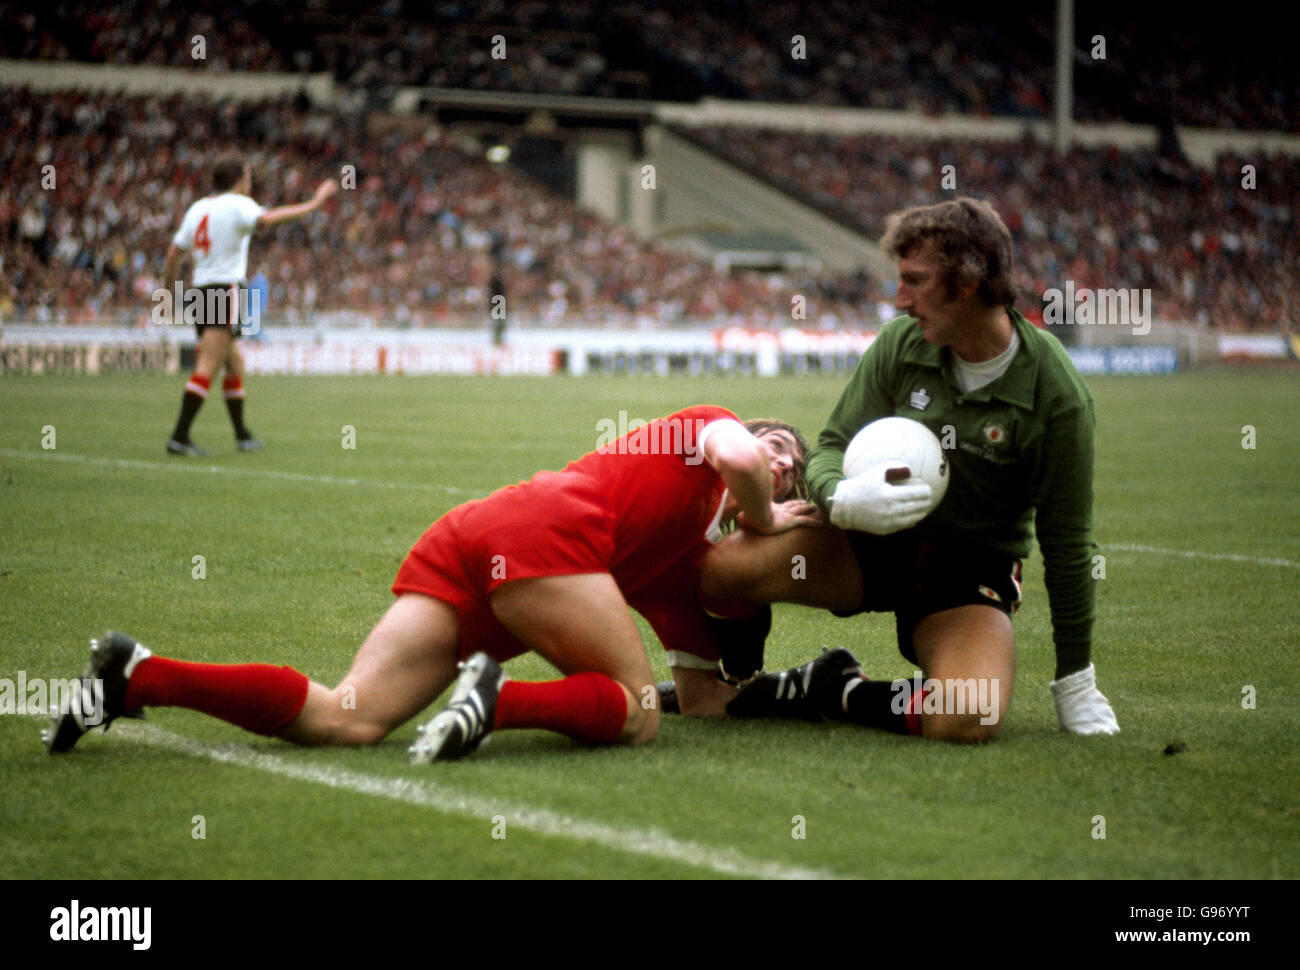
x=217 y=229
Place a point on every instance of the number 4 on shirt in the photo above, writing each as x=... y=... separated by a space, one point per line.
x=201 y=239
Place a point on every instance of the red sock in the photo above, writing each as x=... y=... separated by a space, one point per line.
x=257 y=697
x=198 y=384
x=587 y=707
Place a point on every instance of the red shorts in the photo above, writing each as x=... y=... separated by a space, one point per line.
x=554 y=525
x=678 y=620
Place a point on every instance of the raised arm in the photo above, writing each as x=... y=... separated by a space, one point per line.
x=285 y=213
x=745 y=465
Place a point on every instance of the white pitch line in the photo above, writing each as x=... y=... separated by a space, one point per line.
x=1218 y=556
x=184 y=465
x=647 y=842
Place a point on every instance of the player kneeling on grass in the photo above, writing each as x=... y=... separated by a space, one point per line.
x=1017 y=422
x=553 y=565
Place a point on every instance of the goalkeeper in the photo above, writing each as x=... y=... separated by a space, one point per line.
x=1016 y=422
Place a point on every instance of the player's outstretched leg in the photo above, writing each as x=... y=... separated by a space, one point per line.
x=832 y=687
x=756 y=569
x=812 y=691
x=123 y=677
x=407 y=660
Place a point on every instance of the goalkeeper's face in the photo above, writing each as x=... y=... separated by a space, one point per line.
x=924 y=293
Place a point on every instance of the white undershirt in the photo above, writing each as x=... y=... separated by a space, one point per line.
x=714 y=532
x=971 y=377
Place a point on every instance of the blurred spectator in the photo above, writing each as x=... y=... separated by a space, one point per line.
x=431 y=231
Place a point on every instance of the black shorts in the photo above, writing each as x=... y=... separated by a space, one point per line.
x=218 y=308
x=913 y=577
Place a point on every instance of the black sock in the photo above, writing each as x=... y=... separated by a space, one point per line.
x=235 y=405
x=879 y=704
x=190 y=404
x=741 y=641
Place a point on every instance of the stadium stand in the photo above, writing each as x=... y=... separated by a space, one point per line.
x=433 y=226
x=1135 y=219
x=412 y=246
x=946 y=57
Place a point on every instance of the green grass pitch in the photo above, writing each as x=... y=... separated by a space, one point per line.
x=1199 y=613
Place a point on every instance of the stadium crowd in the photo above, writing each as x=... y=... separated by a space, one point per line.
x=418 y=242
x=433 y=230
x=1211 y=250
x=945 y=57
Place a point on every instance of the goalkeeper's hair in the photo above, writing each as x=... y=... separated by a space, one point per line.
x=972 y=242
x=761 y=426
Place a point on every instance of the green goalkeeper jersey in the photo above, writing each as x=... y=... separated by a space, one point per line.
x=1020 y=451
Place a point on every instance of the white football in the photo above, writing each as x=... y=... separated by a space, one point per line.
x=904 y=442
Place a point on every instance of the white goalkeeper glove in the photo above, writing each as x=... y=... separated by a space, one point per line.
x=869 y=503
x=1080 y=706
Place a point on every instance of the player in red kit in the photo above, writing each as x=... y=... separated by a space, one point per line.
x=551 y=565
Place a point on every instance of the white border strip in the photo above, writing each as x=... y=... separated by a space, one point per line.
x=647 y=842
x=1217 y=556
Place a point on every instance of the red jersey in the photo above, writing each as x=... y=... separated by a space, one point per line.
x=637 y=508
x=660 y=493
